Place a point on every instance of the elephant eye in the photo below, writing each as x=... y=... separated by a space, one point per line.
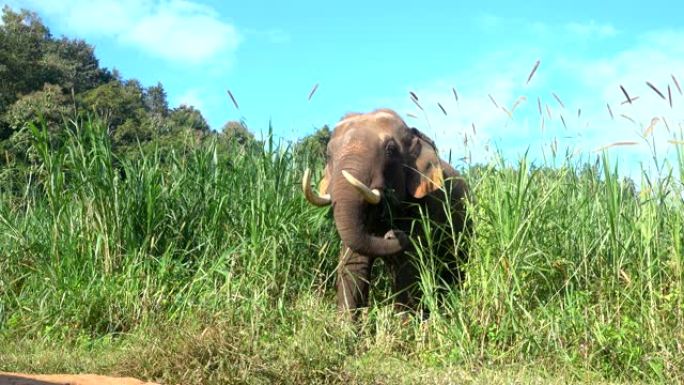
x=391 y=149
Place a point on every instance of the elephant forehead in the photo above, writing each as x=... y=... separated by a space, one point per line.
x=353 y=141
x=375 y=118
x=364 y=136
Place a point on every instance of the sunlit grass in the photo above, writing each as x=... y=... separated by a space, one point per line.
x=204 y=264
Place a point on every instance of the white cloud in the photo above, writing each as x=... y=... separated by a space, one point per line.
x=653 y=58
x=572 y=30
x=585 y=79
x=591 y=29
x=176 y=30
x=191 y=97
x=497 y=78
x=183 y=32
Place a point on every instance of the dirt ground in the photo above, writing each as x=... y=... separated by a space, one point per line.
x=66 y=379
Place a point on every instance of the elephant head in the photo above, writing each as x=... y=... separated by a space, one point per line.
x=374 y=160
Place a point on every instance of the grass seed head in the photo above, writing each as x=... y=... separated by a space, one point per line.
x=313 y=91
x=534 y=70
x=628 y=118
x=232 y=98
x=616 y=144
x=676 y=83
x=558 y=100
x=651 y=126
x=624 y=91
x=442 y=108
x=493 y=101
x=656 y=90
x=539 y=105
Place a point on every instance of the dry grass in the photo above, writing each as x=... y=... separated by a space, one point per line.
x=651 y=126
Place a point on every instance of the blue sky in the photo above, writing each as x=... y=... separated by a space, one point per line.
x=366 y=55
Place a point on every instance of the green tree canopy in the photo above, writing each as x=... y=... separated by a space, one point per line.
x=314 y=146
x=115 y=102
x=51 y=80
x=22 y=46
x=237 y=130
x=49 y=104
x=155 y=102
x=187 y=117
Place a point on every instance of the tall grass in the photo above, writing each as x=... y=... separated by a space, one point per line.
x=204 y=264
x=102 y=243
x=575 y=264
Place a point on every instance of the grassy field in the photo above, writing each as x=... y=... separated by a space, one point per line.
x=205 y=265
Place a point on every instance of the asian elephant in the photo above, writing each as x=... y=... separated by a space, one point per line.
x=379 y=175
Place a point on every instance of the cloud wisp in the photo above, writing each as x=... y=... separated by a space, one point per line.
x=178 y=31
x=566 y=102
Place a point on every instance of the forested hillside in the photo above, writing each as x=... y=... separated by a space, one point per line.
x=50 y=81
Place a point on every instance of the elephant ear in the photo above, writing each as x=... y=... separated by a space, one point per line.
x=424 y=173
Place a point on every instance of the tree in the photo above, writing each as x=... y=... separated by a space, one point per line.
x=155 y=102
x=30 y=58
x=121 y=106
x=72 y=64
x=22 y=45
x=115 y=102
x=43 y=79
x=234 y=130
x=49 y=105
x=314 y=146
x=48 y=108
x=186 y=117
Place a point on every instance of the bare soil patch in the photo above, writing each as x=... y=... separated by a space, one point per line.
x=66 y=379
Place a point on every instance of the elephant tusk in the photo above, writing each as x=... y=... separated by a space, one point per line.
x=371 y=196
x=312 y=197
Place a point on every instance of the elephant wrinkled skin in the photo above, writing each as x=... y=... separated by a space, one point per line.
x=379 y=176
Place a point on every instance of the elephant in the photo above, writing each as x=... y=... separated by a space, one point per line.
x=379 y=176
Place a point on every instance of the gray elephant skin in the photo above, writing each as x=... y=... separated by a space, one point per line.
x=379 y=176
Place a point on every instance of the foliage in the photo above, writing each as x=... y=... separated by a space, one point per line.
x=121 y=106
x=53 y=80
x=315 y=144
x=22 y=46
x=155 y=102
x=131 y=233
x=31 y=57
x=187 y=117
x=49 y=105
x=237 y=131
x=208 y=266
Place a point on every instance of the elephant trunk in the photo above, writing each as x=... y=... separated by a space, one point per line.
x=349 y=219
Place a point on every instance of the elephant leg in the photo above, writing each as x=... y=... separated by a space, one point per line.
x=405 y=283
x=353 y=280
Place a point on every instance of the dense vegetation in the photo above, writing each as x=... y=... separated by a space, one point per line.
x=206 y=266
x=191 y=257
x=52 y=80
